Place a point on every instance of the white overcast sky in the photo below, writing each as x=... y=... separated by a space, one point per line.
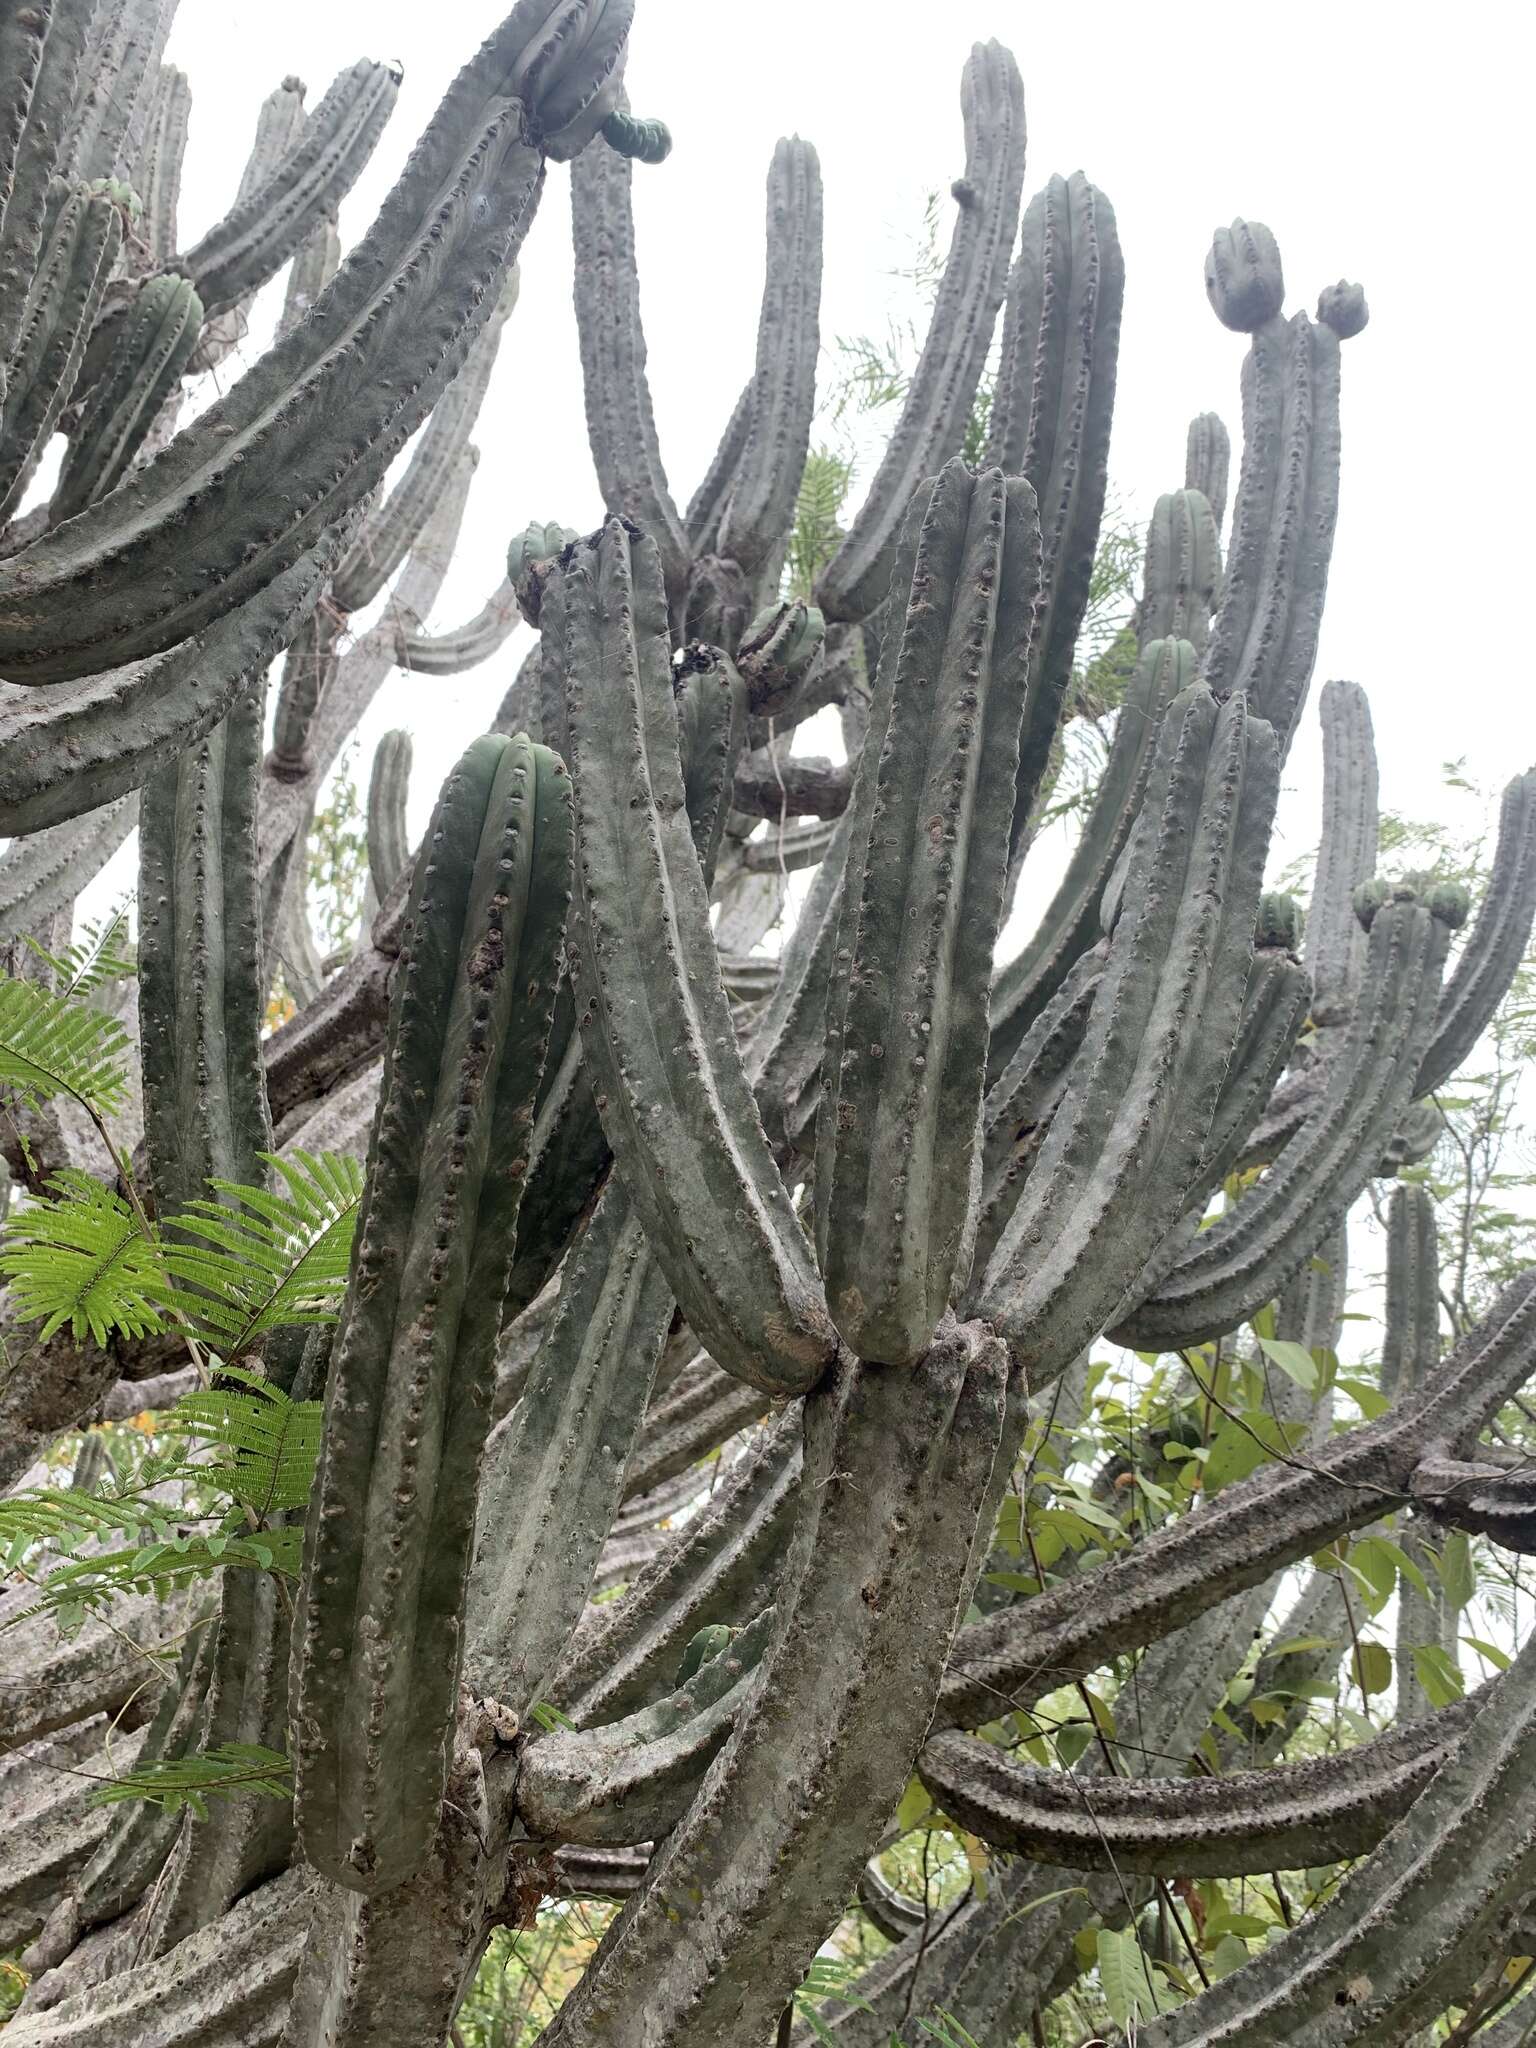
x=1384 y=145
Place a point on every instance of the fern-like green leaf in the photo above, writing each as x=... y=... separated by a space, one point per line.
x=68 y=1518
x=57 y=1045
x=267 y=1445
x=260 y=1259
x=80 y=1256
x=92 y=960
x=92 y=1584
x=190 y=1782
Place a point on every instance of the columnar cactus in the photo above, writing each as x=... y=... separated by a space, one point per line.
x=715 y=1314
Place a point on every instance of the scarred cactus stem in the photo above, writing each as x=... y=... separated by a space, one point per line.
x=528 y=559
x=648 y=142
x=1243 y=278
x=1342 y=307
x=1279 y=922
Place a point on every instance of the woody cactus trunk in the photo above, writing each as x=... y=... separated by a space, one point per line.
x=709 y=1315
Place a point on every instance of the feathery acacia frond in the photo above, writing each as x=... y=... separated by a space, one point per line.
x=56 y=1045
x=83 y=1258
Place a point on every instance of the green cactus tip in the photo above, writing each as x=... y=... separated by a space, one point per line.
x=647 y=142
x=1243 y=277
x=529 y=557
x=702 y=1649
x=1279 y=922
x=1342 y=307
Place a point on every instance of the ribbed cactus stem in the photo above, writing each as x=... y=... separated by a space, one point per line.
x=646 y=141
x=44 y=871
x=155 y=340
x=157 y=179
x=1243 y=277
x=1207 y=459
x=1181 y=572
x=45 y=51
x=389 y=781
x=311 y=271
x=1346 y=853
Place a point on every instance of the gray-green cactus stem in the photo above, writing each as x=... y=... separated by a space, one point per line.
x=1181 y=572
x=22 y=38
x=789 y=1033
x=1050 y=422
x=201 y=986
x=1255 y=1247
x=1207 y=457
x=621 y=427
x=1243 y=278
x=706 y=508
x=899 y=1125
x=943 y=387
x=1070 y=923
x=389 y=782
x=1410 y=1346
x=1128 y=1142
x=279 y=125
x=45 y=49
x=166 y=555
x=387 y=1546
x=464 y=647
x=1264 y=636
x=127 y=41
x=157 y=180
x=1346 y=852
x=899 y=1466
x=266 y=226
x=44 y=871
x=702 y=1412
x=310 y=272
x=656 y=1028
x=155 y=340
x=761 y=509
x=1496 y=943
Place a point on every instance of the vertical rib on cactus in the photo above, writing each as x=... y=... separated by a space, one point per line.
x=38 y=152
x=155 y=340
x=1248 y=1254
x=1070 y=923
x=1207 y=458
x=389 y=781
x=1346 y=852
x=387 y=1546
x=302 y=437
x=766 y=481
x=279 y=125
x=1496 y=943
x=1181 y=571
x=23 y=32
x=1264 y=637
x=157 y=180
x=789 y=1034
x=201 y=986
x=1410 y=1351
x=621 y=427
x=898 y=1468
x=656 y=1028
x=900 y=1116
x=1127 y=1144
x=943 y=387
x=117 y=81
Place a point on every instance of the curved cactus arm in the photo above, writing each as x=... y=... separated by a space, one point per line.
x=1264 y=636
x=1496 y=943
x=71 y=276
x=387 y=1546
x=1249 y=1531
x=761 y=509
x=309 y=670
x=554 y=1469
x=201 y=985
x=44 y=871
x=1050 y=423
x=1181 y=571
x=899 y=1122
x=46 y=49
x=706 y=508
x=1207 y=460
x=389 y=781
x=717 y=1568
x=1408 y=1926
x=1255 y=1247
x=154 y=345
x=568 y=1157
x=689 y=1422
x=267 y=226
x=1070 y=923
x=1483 y=1498
x=1410 y=1345
x=157 y=180
x=759 y=1869
x=656 y=1028
x=1240 y=1825
x=1346 y=853
x=621 y=427
x=943 y=388
x=1127 y=1144
x=633 y=1780
x=465 y=647
x=124 y=579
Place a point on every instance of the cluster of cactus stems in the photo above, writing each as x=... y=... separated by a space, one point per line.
x=636 y=1190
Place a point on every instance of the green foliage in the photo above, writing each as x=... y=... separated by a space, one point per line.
x=816 y=534
x=1134 y=1990
x=58 y=1045
x=265 y=1444
x=83 y=1258
x=187 y=1783
x=336 y=857
x=92 y=961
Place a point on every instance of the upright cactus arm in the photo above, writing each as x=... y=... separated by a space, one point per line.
x=706 y=508
x=154 y=346
x=1264 y=636
x=1050 y=422
x=465 y=647
x=279 y=125
x=387 y=1547
x=23 y=33
x=1181 y=571
x=56 y=323
x=267 y=226
x=310 y=272
x=555 y=1468
x=1207 y=460
x=1127 y=1144
x=621 y=426
x=127 y=41
x=761 y=509
x=1239 y=1825
x=1248 y=1254
x=656 y=1029
x=302 y=437
x=46 y=49
x=789 y=1033
x=939 y=399
x=711 y=727
x=1410 y=1345
x=44 y=871
x=899 y=1125
x=1496 y=943
x=1346 y=853
x=157 y=179
x=1449 y=1870
x=1070 y=924
x=746 y=1886
x=389 y=781
x=201 y=982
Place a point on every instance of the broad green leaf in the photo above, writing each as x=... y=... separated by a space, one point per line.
x=1498 y=1658
x=1294 y=1360
x=1439 y=1674
x=1456 y=1569
x=1133 y=1990
x=1371 y=1401
x=1371 y=1667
